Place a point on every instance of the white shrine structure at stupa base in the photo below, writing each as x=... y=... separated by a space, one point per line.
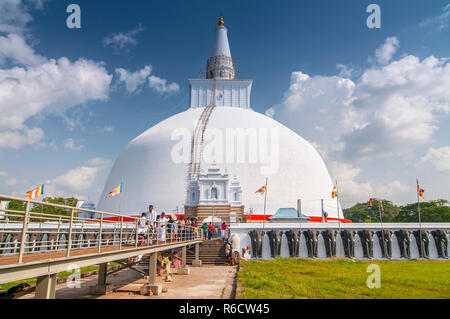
x=213 y=157
x=214 y=194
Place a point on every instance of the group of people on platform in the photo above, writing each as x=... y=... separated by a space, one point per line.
x=162 y=226
x=210 y=231
x=166 y=227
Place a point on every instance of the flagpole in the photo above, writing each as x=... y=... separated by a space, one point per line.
x=322 y=211
x=299 y=210
x=120 y=202
x=265 y=198
x=382 y=228
x=420 y=221
x=337 y=204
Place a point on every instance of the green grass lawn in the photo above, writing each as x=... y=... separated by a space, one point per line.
x=342 y=278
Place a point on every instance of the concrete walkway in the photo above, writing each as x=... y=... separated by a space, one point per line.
x=206 y=282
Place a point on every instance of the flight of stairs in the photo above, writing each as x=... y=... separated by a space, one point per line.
x=212 y=252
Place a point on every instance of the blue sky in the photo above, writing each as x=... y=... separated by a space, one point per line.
x=71 y=137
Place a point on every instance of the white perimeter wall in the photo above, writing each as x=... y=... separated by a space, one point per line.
x=242 y=231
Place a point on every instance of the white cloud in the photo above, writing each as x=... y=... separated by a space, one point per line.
x=401 y=104
x=3 y=174
x=319 y=108
x=77 y=179
x=14 y=182
x=441 y=21
x=14 y=48
x=39 y=86
x=270 y=112
x=161 y=85
x=52 y=87
x=14 y=15
x=389 y=110
x=11 y=182
x=98 y=162
x=17 y=138
x=108 y=128
x=351 y=190
x=123 y=41
x=70 y=144
x=438 y=157
x=344 y=70
x=134 y=81
x=385 y=52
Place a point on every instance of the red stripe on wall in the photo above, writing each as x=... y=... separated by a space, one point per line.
x=314 y=219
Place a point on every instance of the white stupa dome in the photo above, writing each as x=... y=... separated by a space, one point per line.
x=150 y=174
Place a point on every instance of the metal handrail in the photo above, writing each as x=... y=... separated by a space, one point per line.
x=8 y=197
x=75 y=233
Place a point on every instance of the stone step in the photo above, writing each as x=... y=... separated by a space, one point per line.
x=208 y=261
x=212 y=261
x=205 y=257
x=216 y=260
x=211 y=246
x=210 y=254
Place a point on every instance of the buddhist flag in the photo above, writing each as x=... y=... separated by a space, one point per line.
x=262 y=190
x=370 y=204
x=381 y=207
x=334 y=192
x=420 y=191
x=115 y=191
x=38 y=191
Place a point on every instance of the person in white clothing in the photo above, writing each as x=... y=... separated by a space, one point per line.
x=162 y=223
x=143 y=225
x=142 y=232
x=151 y=215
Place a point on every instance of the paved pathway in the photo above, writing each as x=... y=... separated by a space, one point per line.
x=207 y=282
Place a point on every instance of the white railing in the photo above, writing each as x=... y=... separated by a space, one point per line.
x=32 y=231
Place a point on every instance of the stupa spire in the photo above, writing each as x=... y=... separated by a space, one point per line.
x=220 y=65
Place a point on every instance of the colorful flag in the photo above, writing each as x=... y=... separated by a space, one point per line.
x=381 y=207
x=38 y=191
x=115 y=191
x=262 y=190
x=334 y=192
x=420 y=191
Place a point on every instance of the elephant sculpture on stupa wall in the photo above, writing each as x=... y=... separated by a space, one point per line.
x=275 y=242
x=385 y=239
x=423 y=242
x=441 y=241
x=329 y=237
x=293 y=239
x=366 y=237
x=256 y=237
x=312 y=237
x=404 y=243
x=348 y=241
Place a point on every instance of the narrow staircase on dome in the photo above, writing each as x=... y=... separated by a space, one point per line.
x=198 y=137
x=219 y=66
